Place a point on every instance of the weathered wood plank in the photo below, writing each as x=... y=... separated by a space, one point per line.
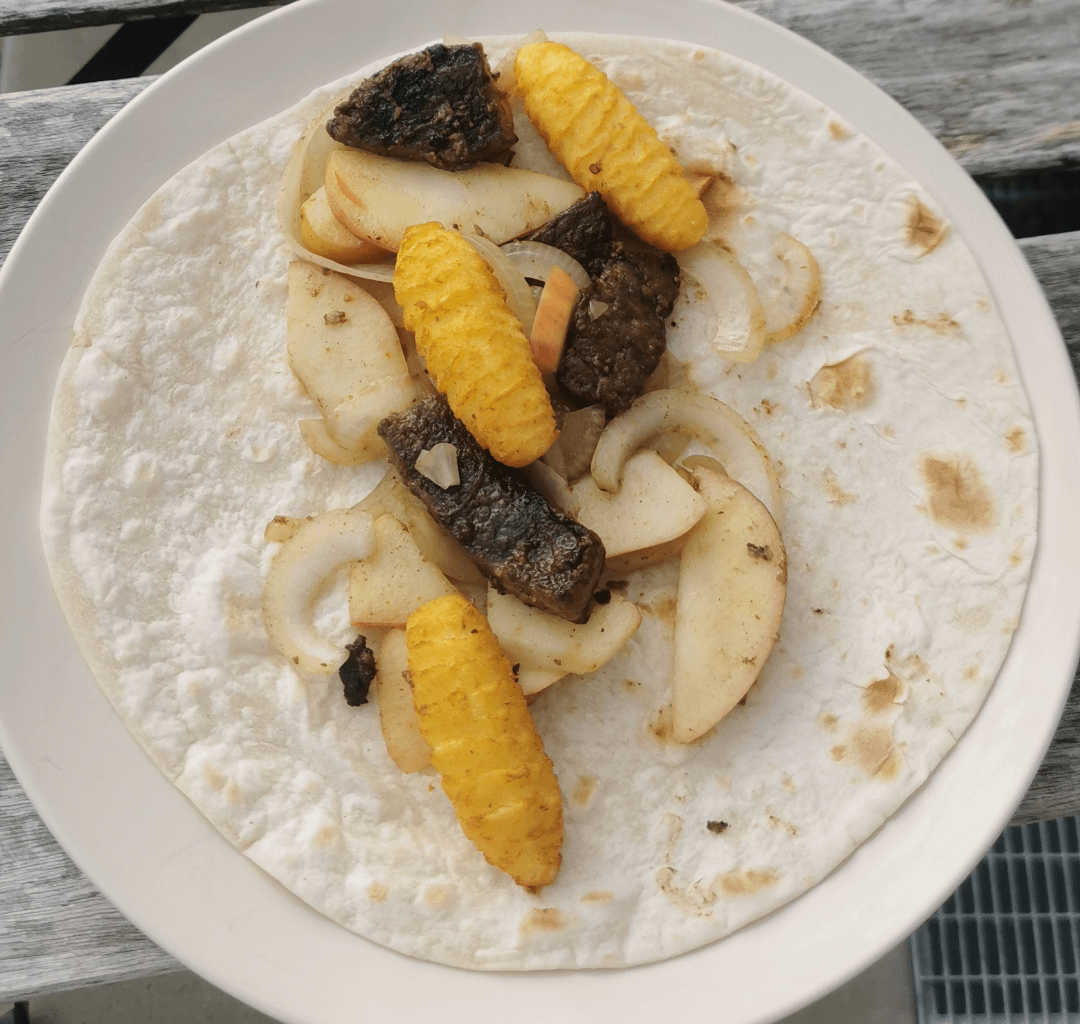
x=40 y=133
x=57 y=932
x=997 y=81
x=22 y=16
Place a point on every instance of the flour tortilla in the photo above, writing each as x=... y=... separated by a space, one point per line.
x=909 y=471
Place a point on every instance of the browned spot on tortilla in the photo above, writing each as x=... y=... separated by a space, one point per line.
x=661 y=724
x=923 y=229
x=586 y=784
x=882 y=694
x=766 y=406
x=959 y=497
x=971 y=673
x=838 y=131
x=838 y=752
x=875 y=752
x=828 y=722
x=846 y=385
x=834 y=492
x=325 y=836
x=941 y=324
x=960 y=543
x=436 y=895
x=598 y=896
x=746 y=883
x=377 y=892
x=213 y=777
x=785 y=825
x=546 y=919
x=1016 y=439
x=631 y=685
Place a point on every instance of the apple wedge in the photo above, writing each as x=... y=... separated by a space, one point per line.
x=325 y=235
x=387 y=588
x=339 y=338
x=548 y=647
x=655 y=505
x=732 y=587
x=397 y=715
x=377 y=197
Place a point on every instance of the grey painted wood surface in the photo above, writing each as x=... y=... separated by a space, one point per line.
x=21 y=16
x=995 y=80
x=998 y=81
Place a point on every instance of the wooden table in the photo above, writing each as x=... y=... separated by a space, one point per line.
x=997 y=81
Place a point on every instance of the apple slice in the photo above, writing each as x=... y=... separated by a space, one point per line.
x=538 y=640
x=325 y=235
x=732 y=587
x=339 y=338
x=377 y=197
x=397 y=715
x=654 y=506
x=387 y=588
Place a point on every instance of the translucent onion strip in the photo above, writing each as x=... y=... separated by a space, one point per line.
x=716 y=425
x=535 y=260
x=799 y=292
x=519 y=295
x=297 y=572
x=739 y=332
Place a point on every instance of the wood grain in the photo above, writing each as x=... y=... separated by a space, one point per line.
x=18 y=17
x=996 y=81
x=57 y=932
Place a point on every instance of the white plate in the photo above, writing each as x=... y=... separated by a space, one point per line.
x=164 y=866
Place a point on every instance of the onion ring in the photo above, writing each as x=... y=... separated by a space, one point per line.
x=299 y=568
x=710 y=421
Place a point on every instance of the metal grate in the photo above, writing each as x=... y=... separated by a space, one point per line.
x=1005 y=947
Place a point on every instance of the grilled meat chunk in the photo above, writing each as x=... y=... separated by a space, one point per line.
x=357 y=672
x=439 y=105
x=611 y=349
x=518 y=541
x=582 y=231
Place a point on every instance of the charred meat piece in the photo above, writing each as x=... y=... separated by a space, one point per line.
x=524 y=546
x=439 y=105
x=582 y=231
x=357 y=672
x=617 y=333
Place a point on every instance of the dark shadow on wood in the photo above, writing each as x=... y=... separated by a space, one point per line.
x=132 y=49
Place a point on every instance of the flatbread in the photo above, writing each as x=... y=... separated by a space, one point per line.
x=908 y=464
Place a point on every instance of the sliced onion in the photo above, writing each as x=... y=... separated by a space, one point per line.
x=519 y=295
x=318 y=439
x=799 y=292
x=535 y=260
x=739 y=332
x=547 y=481
x=580 y=431
x=735 y=443
x=299 y=568
x=353 y=424
x=304 y=175
x=439 y=464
